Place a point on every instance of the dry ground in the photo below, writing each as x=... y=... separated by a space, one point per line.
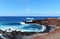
x=52 y=35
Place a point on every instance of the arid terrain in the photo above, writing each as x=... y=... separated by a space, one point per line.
x=52 y=33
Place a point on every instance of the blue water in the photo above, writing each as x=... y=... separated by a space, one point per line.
x=17 y=19
x=14 y=22
x=23 y=28
x=31 y=28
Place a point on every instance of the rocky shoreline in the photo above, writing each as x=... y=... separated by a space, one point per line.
x=47 y=21
x=52 y=27
x=16 y=35
x=54 y=32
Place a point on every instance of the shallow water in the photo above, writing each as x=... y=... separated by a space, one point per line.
x=23 y=28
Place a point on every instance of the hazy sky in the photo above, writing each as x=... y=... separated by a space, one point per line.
x=29 y=7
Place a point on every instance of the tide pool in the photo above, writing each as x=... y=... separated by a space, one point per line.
x=23 y=28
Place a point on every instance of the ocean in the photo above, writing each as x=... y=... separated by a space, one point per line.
x=17 y=19
x=13 y=22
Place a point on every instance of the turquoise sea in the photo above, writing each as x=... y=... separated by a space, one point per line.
x=9 y=23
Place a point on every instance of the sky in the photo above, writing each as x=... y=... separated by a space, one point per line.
x=29 y=7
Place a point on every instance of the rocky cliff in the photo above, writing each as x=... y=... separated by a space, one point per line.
x=48 y=21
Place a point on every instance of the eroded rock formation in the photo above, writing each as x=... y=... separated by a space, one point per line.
x=48 y=21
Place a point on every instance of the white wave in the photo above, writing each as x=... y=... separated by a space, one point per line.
x=29 y=18
x=22 y=22
x=43 y=28
x=9 y=28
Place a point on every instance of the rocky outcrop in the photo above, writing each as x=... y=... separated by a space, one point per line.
x=51 y=21
x=51 y=35
x=48 y=21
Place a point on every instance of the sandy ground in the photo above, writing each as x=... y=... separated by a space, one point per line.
x=52 y=35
